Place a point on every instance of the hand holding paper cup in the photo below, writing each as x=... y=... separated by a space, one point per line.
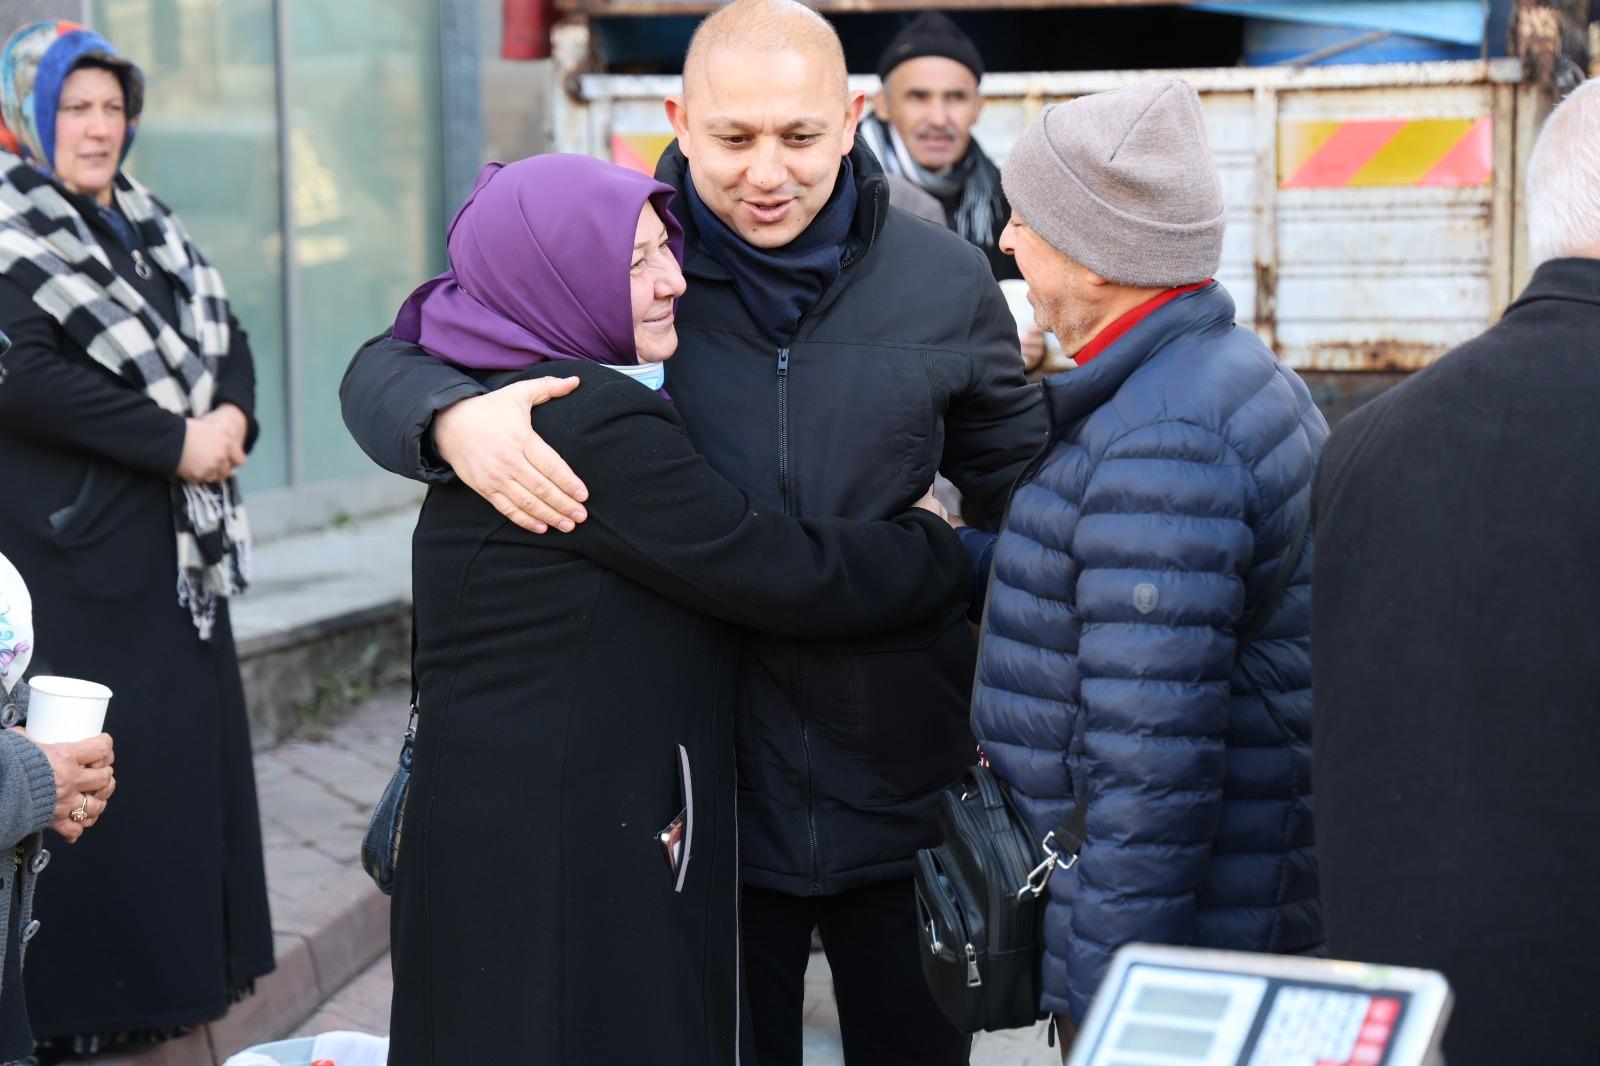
x=64 y=709
x=1015 y=290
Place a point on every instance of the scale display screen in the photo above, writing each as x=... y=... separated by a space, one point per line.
x=1178 y=1007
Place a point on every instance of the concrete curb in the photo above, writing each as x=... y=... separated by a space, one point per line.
x=291 y=674
x=327 y=615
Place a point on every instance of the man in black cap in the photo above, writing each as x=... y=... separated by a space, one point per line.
x=921 y=129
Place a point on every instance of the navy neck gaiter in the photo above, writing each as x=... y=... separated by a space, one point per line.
x=778 y=286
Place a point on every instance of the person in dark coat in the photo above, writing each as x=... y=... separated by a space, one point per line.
x=64 y=786
x=836 y=352
x=124 y=410
x=605 y=661
x=921 y=129
x=1457 y=675
x=1117 y=668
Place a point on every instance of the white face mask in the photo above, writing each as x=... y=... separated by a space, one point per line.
x=16 y=626
x=653 y=375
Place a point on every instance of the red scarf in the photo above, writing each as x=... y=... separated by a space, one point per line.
x=1113 y=333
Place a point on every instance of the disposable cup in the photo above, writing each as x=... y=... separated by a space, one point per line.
x=1015 y=290
x=63 y=709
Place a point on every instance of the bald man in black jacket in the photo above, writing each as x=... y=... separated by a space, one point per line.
x=828 y=372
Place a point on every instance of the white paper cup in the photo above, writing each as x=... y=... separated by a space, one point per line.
x=63 y=709
x=1015 y=290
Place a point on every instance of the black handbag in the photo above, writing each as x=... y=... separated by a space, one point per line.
x=980 y=894
x=980 y=904
x=380 y=847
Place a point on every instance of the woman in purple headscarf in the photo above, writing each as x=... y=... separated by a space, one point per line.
x=567 y=889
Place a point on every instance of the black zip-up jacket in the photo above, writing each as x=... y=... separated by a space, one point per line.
x=907 y=364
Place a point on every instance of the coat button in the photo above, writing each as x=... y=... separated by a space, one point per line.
x=30 y=930
x=41 y=859
x=10 y=715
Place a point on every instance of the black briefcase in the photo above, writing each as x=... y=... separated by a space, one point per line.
x=980 y=904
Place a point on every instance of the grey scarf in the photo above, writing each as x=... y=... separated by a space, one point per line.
x=980 y=209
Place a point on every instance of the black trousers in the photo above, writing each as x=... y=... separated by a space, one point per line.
x=886 y=1016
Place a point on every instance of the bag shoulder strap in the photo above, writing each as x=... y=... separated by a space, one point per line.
x=413 y=663
x=1251 y=626
x=411 y=723
x=1069 y=834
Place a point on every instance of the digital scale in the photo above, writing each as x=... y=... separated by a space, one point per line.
x=1168 y=1006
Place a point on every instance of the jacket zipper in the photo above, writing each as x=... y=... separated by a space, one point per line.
x=872 y=237
x=788 y=509
x=783 y=365
x=783 y=426
x=815 y=887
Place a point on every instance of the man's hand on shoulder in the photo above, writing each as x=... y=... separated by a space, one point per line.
x=489 y=442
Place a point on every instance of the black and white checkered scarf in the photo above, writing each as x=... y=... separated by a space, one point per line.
x=46 y=247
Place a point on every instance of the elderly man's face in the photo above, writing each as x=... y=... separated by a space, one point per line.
x=765 y=137
x=1066 y=301
x=933 y=103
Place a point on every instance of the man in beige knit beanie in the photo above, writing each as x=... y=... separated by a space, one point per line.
x=1145 y=661
x=1115 y=198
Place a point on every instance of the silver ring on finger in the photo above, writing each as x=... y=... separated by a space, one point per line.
x=81 y=811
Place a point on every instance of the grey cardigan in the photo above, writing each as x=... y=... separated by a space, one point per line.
x=27 y=800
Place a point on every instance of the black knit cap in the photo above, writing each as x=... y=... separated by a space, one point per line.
x=931 y=33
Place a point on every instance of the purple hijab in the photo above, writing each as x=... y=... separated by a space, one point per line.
x=539 y=258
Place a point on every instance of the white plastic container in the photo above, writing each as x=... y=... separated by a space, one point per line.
x=343 y=1047
x=295 y=1052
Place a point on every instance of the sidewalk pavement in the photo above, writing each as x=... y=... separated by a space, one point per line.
x=364 y=1007
x=329 y=922
x=332 y=925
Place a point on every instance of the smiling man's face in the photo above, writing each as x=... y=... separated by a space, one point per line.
x=765 y=137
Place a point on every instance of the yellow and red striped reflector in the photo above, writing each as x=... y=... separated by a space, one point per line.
x=639 y=151
x=1424 y=151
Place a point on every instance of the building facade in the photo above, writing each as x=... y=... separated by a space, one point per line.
x=314 y=149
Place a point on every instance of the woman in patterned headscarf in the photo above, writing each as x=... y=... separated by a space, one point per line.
x=125 y=409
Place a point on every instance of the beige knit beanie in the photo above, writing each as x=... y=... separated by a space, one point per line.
x=1123 y=183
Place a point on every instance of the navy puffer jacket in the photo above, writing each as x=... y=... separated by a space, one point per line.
x=1176 y=477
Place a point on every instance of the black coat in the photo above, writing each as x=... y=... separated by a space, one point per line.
x=1457 y=678
x=577 y=692
x=907 y=365
x=87 y=519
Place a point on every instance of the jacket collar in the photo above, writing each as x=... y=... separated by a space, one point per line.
x=1572 y=278
x=872 y=202
x=1078 y=393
